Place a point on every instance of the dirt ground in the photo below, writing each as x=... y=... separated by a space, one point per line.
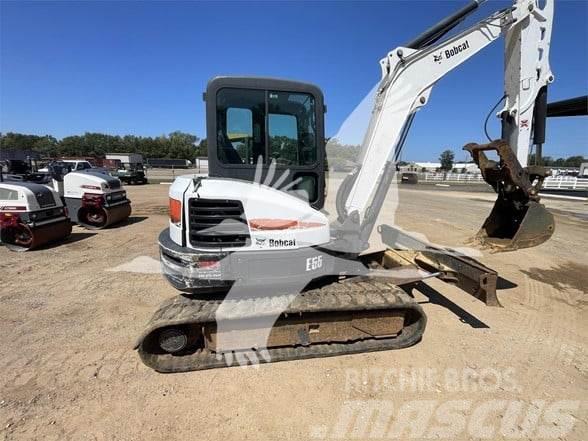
x=70 y=314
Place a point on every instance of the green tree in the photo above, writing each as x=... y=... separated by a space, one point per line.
x=446 y=159
x=339 y=154
x=203 y=148
x=548 y=161
x=575 y=161
x=182 y=145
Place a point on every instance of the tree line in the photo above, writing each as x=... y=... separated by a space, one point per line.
x=570 y=161
x=176 y=145
x=180 y=145
x=341 y=154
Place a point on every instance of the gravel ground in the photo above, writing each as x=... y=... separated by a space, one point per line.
x=70 y=314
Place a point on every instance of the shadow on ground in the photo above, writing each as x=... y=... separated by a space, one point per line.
x=569 y=275
x=130 y=221
x=436 y=298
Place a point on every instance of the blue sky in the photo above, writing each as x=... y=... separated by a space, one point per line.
x=141 y=67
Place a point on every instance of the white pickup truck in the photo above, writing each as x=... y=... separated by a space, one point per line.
x=76 y=165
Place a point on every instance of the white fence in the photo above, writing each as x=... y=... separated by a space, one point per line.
x=172 y=172
x=451 y=177
x=566 y=183
x=563 y=182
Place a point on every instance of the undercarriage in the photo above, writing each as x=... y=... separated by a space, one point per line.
x=355 y=315
x=242 y=308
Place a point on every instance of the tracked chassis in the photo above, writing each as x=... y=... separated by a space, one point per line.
x=361 y=313
x=355 y=315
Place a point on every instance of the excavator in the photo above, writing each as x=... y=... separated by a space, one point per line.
x=267 y=277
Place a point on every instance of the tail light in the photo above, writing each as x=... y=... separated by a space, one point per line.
x=208 y=264
x=8 y=220
x=92 y=200
x=175 y=211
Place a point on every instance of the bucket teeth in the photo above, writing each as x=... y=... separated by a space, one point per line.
x=510 y=229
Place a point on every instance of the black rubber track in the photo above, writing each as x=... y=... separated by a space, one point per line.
x=349 y=295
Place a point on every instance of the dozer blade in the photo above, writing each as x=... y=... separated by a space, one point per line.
x=517 y=219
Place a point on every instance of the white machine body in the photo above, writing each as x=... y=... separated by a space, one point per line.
x=31 y=215
x=274 y=220
x=22 y=198
x=93 y=199
x=76 y=184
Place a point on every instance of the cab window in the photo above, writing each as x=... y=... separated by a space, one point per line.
x=292 y=128
x=283 y=138
x=245 y=117
x=240 y=126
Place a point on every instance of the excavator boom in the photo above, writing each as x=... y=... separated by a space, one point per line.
x=408 y=76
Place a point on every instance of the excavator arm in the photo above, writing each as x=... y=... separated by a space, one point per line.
x=408 y=76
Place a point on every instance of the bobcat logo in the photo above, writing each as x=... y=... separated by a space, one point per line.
x=438 y=58
x=260 y=242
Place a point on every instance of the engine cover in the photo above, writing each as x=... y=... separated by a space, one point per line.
x=228 y=214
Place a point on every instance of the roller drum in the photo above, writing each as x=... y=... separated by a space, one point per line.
x=97 y=218
x=24 y=237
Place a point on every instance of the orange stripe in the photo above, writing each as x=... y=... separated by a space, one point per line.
x=281 y=224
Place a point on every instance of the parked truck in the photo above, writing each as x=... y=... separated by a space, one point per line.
x=128 y=167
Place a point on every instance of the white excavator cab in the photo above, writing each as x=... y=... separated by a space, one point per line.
x=269 y=131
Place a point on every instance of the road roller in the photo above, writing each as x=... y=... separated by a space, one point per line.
x=31 y=215
x=95 y=200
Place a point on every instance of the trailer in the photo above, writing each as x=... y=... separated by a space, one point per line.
x=168 y=163
x=126 y=158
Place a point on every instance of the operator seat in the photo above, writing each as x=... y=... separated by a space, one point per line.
x=228 y=152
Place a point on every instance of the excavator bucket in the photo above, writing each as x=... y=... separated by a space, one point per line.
x=517 y=219
x=510 y=227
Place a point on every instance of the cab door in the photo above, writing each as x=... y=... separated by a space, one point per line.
x=258 y=124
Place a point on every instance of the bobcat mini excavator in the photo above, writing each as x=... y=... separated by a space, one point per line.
x=269 y=277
